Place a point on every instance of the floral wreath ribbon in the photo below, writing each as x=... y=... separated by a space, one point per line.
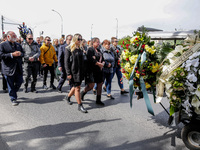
x=142 y=84
x=166 y=74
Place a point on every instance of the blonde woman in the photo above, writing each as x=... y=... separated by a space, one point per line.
x=61 y=41
x=56 y=46
x=74 y=65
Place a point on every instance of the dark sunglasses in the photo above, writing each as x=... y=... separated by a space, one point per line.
x=49 y=40
x=80 y=39
x=116 y=41
x=30 y=38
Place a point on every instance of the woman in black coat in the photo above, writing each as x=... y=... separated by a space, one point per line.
x=74 y=65
x=94 y=70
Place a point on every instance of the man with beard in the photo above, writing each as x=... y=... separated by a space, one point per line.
x=11 y=54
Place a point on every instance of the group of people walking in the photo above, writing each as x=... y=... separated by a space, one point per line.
x=95 y=64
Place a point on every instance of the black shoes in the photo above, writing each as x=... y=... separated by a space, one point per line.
x=139 y=94
x=68 y=100
x=124 y=92
x=82 y=95
x=104 y=88
x=110 y=96
x=52 y=86
x=100 y=103
x=34 y=91
x=45 y=87
x=25 y=90
x=81 y=108
x=94 y=92
x=98 y=100
x=59 y=90
x=5 y=91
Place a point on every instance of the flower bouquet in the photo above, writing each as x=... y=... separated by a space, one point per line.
x=180 y=76
x=139 y=64
x=23 y=30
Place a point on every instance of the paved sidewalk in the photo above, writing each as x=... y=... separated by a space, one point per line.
x=3 y=145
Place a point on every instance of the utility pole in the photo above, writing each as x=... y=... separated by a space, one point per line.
x=117 y=29
x=2 y=26
x=91 y=31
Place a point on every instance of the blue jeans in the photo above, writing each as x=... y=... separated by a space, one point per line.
x=14 y=83
x=108 y=77
x=119 y=77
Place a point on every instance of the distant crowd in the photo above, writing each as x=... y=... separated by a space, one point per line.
x=72 y=58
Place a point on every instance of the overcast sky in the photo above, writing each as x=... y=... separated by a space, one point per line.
x=99 y=16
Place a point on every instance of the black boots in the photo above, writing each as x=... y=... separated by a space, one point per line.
x=25 y=90
x=82 y=95
x=98 y=100
x=81 y=108
x=68 y=100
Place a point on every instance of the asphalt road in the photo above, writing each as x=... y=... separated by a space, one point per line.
x=43 y=121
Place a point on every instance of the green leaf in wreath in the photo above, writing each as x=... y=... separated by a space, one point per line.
x=171 y=110
x=178 y=54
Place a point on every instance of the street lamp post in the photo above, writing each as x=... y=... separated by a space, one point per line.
x=61 y=21
x=91 y=31
x=117 y=29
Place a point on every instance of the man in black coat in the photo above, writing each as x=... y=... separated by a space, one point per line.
x=61 y=63
x=11 y=54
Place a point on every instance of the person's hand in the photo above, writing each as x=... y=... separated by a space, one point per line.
x=44 y=65
x=31 y=59
x=60 y=68
x=69 y=77
x=100 y=65
x=109 y=65
x=16 y=54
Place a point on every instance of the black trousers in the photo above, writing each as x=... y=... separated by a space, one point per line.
x=4 y=82
x=46 y=69
x=62 y=79
x=31 y=68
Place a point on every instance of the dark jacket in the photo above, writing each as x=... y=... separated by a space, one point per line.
x=74 y=64
x=116 y=52
x=11 y=64
x=108 y=58
x=61 y=56
x=32 y=50
x=91 y=53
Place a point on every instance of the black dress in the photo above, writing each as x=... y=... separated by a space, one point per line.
x=94 y=72
x=74 y=65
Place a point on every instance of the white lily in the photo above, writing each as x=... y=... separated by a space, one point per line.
x=191 y=88
x=179 y=48
x=168 y=85
x=195 y=62
x=196 y=54
x=165 y=67
x=195 y=102
x=187 y=105
x=171 y=57
x=195 y=70
x=197 y=92
x=188 y=64
x=197 y=111
x=191 y=77
x=183 y=65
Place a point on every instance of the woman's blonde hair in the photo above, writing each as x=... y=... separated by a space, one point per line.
x=54 y=41
x=73 y=45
